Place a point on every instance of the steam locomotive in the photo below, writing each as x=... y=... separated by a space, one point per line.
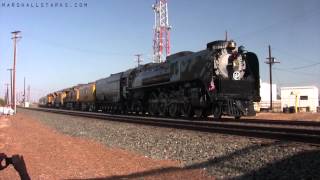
x=222 y=79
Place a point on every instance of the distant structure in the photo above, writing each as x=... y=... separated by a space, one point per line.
x=300 y=98
x=161 y=40
x=264 y=104
x=28 y=95
x=139 y=58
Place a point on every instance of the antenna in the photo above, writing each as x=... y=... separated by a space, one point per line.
x=161 y=40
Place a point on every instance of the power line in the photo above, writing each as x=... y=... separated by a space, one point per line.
x=77 y=49
x=277 y=24
x=306 y=66
x=295 y=72
x=295 y=56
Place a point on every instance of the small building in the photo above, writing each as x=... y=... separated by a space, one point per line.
x=264 y=103
x=305 y=97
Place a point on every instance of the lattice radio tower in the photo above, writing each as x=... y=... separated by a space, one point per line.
x=161 y=40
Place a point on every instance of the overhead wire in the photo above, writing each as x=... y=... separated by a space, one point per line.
x=279 y=23
x=306 y=66
x=77 y=49
x=295 y=72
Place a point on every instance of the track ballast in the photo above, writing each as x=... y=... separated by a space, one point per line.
x=300 y=131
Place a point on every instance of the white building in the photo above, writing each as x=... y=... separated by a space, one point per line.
x=306 y=97
x=265 y=92
x=265 y=95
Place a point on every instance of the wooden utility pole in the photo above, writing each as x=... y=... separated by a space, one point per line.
x=7 y=94
x=11 y=89
x=139 y=60
x=271 y=61
x=15 y=38
x=24 y=91
x=28 y=92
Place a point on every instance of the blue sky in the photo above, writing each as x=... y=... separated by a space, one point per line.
x=61 y=47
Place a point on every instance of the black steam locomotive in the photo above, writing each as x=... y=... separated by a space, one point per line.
x=221 y=80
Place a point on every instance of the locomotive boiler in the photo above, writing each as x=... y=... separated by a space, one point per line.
x=222 y=79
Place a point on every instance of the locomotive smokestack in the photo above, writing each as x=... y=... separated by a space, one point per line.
x=226 y=36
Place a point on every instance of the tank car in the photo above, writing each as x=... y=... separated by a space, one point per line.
x=71 y=100
x=59 y=97
x=87 y=96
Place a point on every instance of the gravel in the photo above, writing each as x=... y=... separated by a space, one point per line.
x=223 y=156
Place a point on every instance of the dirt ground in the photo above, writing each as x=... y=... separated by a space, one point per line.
x=50 y=155
x=284 y=116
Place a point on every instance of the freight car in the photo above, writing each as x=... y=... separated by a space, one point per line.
x=221 y=80
x=87 y=96
x=72 y=98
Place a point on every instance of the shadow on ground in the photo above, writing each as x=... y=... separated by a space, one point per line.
x=303 y=165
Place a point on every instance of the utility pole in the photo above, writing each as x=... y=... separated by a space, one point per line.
x=271 y=61
x=139 y=60
x=24 y=91
x=28 y=92
x=11 y=89
x=15 y=38
x=7 y=94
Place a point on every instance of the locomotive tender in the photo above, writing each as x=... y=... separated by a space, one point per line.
x=221 y=80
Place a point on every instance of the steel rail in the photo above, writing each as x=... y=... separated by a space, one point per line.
x=274 y=122
x=303 y=135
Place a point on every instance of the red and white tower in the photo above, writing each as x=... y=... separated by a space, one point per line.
x=161 y=40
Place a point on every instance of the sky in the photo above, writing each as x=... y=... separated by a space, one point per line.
x=65 y=46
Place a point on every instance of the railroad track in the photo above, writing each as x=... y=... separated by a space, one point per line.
x=275 y=122
x=280 y=130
